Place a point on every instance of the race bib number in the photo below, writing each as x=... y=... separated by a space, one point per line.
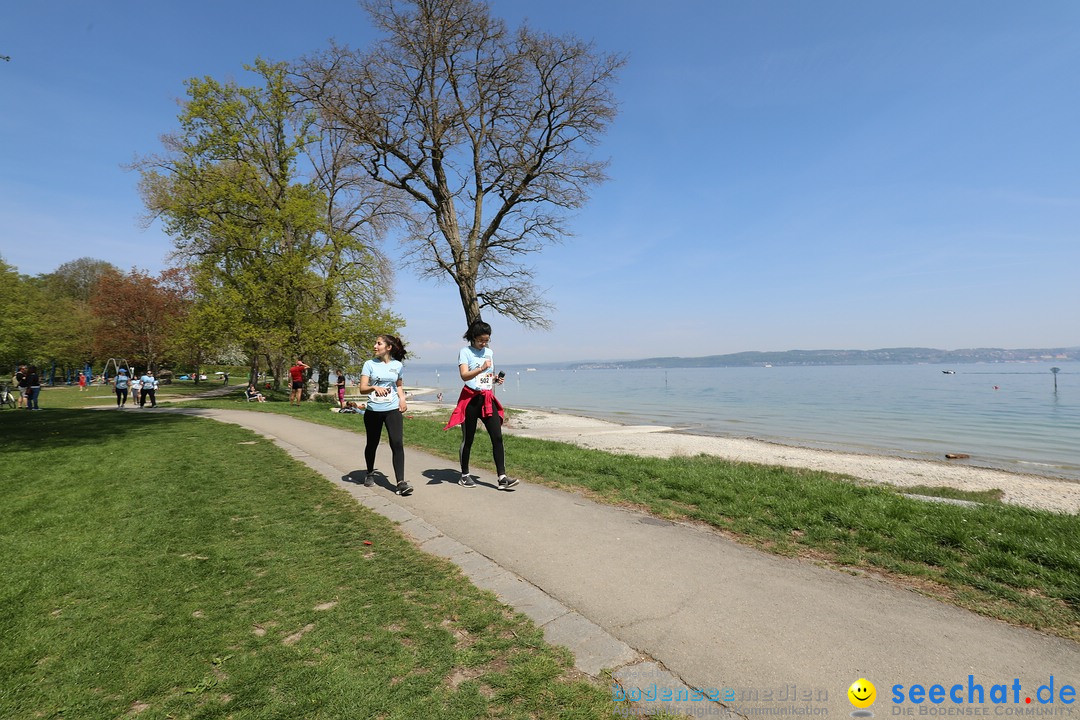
x=486 y=381
x=380 y=398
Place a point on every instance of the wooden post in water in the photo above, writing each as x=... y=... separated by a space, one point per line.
x=1055 y=370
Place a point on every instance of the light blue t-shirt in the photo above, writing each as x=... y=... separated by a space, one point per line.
x=474 y=358
x=381 y=374
x=121 y=382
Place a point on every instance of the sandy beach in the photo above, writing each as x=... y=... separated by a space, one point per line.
x=659 y=441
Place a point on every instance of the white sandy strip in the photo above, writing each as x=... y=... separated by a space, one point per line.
x=657 y=441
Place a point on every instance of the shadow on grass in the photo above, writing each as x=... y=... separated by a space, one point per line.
x=63 y=428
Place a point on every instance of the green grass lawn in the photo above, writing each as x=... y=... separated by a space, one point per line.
x=161 y=566
x=1004 y=561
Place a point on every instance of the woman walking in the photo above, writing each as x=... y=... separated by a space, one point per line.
x=381 y=377
x=120 y=385
x=476 y=365
x=148 y=389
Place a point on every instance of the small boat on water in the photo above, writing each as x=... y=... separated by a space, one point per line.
x=949 y=372
x=530 y=369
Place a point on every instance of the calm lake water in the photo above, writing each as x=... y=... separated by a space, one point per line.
x=1004 y=416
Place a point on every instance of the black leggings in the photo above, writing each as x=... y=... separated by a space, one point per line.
x=493 y=423
x=121 y=396
x=373 y=423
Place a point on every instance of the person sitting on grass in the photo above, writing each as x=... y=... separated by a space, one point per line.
x=351 y=407
x=252 y=394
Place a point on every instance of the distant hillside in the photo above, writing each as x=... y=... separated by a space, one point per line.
x=884 y=356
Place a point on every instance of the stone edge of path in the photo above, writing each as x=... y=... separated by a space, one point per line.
x=635 y=677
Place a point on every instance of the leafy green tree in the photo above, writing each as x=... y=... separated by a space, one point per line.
x=75 y=279
x=47 y=319
x=68 y=344
x=194 y=334
x=65 y=338
x=481 y=131
x=19 y=319
x=279 y=238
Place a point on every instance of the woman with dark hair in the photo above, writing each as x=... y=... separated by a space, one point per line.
x=120 y=386
x=381 y=377
x=478 y=402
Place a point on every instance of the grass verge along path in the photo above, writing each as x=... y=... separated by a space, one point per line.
x=162 y=566
x=1003 y=561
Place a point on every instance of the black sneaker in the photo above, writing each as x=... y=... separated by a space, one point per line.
x=404 y=489
x=466 y=481
x=505 y=482
x=368 y=480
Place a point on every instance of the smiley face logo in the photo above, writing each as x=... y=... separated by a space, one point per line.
x=862 y=693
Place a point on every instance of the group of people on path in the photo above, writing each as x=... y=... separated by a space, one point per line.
x=382 y=380
x=142 y=388
x=28 y=381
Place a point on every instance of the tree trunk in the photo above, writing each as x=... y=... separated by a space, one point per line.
x=274 y=368
x=253 y=371
x=469 y=302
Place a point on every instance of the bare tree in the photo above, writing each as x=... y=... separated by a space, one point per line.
x=484 y=132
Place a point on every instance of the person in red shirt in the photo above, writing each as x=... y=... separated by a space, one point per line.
x=296 y=374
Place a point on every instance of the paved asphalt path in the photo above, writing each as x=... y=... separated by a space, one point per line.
x=669 y=605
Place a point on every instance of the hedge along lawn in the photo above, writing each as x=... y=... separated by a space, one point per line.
x=1004 y=561
x=163 y=566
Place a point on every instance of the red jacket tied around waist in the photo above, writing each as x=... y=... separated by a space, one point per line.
x=491 y=404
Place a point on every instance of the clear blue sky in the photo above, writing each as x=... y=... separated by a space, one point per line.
x=784 y=174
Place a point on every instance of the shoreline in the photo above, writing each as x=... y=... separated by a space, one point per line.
x=1028 y=490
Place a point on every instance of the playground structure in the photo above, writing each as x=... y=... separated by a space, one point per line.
x=117 y=364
